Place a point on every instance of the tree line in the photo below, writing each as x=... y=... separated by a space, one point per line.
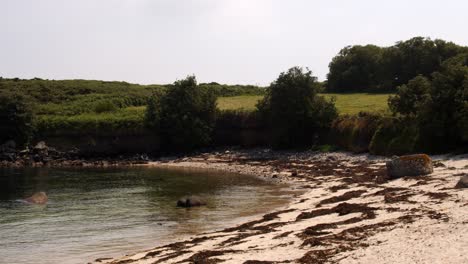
x=429 y=110
x=372 y=68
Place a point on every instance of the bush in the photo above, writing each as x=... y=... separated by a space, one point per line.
x=187 y=115
x=294 y=111
x=16 y=118
x=394 y=137
x=355 y=132
x=105 y=106
x=238 y=119
x=437 y=106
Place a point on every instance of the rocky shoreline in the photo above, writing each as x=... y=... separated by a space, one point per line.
x=350 y=212
x=42 y=155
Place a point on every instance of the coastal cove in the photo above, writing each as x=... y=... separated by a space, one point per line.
x=109 y=211
x=350 y=212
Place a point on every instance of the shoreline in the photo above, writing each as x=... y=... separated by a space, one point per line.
x=348 y=212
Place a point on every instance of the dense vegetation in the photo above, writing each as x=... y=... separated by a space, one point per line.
x=184 y=116
x=74 y=107
x=16 y=119
x=427 y=109
x=436 y=107
x=294 y=110
x=381 y=69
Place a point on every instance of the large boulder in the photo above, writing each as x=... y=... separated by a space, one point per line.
x=463 y=182
x=190 y=201
x=410 y=165
x=37 y=198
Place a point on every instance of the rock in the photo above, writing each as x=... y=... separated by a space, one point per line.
x=411 y=165
x=190 y=201
x=41 y=146
x=8 y=146
x=463 y=182
x=37 y=198
x=8 y=151
x=8 y=156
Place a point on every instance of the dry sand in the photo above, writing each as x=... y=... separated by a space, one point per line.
x=349 y=213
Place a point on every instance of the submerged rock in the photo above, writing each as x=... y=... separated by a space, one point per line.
x=190 y=201
x=410 y=165
x=463 y=182
x=37 y=198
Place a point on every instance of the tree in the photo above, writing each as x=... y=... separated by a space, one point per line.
x=376 y=69
x=438 y=106
x=355 y=68
x=411 y=97
x=187 y=115
x=16 y=118
x=293 y=109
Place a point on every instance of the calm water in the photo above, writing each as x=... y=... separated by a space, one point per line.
x=111 y=212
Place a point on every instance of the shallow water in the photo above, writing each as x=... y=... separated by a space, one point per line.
x=95 y=213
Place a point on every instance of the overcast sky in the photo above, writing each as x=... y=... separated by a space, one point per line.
x=227 y=41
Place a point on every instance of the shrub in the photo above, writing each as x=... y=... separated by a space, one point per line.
x=293 y=109
x=105 y=106
x=187 y=115
x=394 y=136
x=16 y=118
x=237 y=119
x=437 y=106
x=355 y=132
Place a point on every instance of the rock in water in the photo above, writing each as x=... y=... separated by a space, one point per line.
x=411 y=165
x=463 y=182
x=37 y=198
x=190 y=201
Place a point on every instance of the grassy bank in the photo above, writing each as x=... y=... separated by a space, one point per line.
x=104 y=117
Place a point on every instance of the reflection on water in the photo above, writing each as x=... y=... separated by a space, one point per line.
x=110 y=212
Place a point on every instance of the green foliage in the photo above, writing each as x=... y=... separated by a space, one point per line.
x=438 y=105
x=355 y=68
x=105 y=106
x=394 y=137
x=411 y=97
x=153 y=112
x=123 y=121
x=355 y=132
x=75 y=97
x=223 y=90
x=187 y=115
x=377 y=69
x=16 y=118
x=238 y=119
x=294 y=110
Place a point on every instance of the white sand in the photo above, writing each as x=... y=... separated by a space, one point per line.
x=436 y=230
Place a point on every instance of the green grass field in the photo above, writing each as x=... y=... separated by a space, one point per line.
x=132 y=117
x=346 y=103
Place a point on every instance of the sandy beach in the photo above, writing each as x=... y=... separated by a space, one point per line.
x=349 y=212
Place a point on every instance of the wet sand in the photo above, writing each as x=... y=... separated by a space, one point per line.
x=349 y=213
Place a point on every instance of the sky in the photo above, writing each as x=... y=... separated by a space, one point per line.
x=225 y=41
